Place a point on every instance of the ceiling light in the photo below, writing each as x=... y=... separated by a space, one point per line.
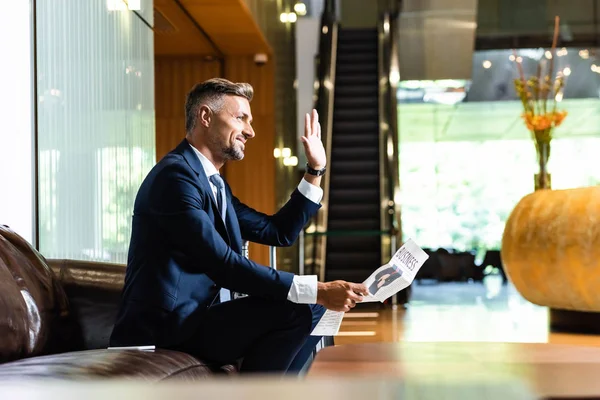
x=134 y=5
x=394 y=76
x=292 y=17
x=290 y=161
x=585 y=54
x=116 y=5
x=283 y=17
x=277 y=152
x=559 y=96
x=300 y=8
x=487 y=64
x=567 y=71
x=286 y=152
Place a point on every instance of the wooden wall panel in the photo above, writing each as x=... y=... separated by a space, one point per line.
x=174 y=77
x=252 y=179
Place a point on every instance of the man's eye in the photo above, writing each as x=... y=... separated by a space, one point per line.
x=240 y=117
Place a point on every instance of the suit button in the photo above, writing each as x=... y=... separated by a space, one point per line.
x=214 y=286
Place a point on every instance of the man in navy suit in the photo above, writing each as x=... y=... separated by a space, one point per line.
x=186 y=244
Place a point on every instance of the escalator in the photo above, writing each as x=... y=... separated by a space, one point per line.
x=353 y=240
x=358 y=227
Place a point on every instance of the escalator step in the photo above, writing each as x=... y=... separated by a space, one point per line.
x=353 y=115
x=352 y=167
x=354 y=57
x=341 y=139
x=356 y=68
x=352 y=196
x=349 y=257
x=345 y=102
x=354 y=33
x=360 y=244
x=363 y=45
x=357 y=90
x=353 y=153
x=354 y=180
x=349 y=275
x=356 y=127
x=354 y=224
x=352 y=80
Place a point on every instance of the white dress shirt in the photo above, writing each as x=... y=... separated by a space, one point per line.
x=304 y=287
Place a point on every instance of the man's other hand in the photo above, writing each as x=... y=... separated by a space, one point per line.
x=340 y=295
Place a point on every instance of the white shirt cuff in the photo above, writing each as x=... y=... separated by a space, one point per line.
x=303 y=289
x=310 y=191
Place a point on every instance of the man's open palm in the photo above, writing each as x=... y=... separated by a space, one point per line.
x=313 y=146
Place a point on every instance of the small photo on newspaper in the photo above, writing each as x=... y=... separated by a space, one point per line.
x=397 y=274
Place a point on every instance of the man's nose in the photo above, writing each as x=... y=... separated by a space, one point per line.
x=249 y=132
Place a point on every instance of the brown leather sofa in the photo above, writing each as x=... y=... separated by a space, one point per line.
x=56 y=317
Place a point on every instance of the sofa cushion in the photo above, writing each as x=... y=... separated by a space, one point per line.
x=94 y=293
x=152 y=366
x=31 y=299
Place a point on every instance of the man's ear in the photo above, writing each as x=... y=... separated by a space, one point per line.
x=205 y=116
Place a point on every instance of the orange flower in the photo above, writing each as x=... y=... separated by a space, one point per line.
x=544 y=121
x=558 y=117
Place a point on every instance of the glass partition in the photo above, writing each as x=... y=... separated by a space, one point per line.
x=96 y=124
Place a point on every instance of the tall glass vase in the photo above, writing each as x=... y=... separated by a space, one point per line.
x=543 y=178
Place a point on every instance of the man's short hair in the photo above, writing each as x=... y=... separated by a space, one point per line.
x=211 y=93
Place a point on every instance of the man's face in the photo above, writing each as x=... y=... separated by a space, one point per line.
x=230 y=128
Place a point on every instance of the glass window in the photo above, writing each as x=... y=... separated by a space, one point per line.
x=95 y=125
x=466 y=158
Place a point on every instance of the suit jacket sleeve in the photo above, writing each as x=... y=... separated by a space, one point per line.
x=279 y=229
x=177 y=205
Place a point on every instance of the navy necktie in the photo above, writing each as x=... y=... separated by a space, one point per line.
x=221 y=197
x=216 y=180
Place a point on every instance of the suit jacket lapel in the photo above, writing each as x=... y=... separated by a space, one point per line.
x=187 y=152
x=233 y=227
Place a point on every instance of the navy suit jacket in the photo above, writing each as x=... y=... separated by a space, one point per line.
x=181 y=252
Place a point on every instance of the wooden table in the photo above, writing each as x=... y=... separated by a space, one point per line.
x=382 y=371
x=549 y=370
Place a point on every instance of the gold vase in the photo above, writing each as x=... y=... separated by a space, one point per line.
x=543 y=179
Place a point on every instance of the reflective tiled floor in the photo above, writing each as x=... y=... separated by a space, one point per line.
x=473 y=312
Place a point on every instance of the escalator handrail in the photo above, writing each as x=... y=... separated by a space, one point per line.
x=325 y=83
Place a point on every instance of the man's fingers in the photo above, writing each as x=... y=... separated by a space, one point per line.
x=360 y=288
x=307 y=128
x=350 y=302
x=354 y=296
x=315 y=122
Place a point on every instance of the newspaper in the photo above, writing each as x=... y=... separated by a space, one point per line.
x=383 y=283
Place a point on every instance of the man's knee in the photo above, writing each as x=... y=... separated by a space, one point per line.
x=294 y=313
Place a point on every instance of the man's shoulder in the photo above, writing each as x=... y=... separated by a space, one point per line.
x=172 y=162
x=170 y=169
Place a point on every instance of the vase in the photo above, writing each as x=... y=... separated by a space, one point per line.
x=543 y=178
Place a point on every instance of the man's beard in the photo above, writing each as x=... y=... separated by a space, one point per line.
x=233 y=153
